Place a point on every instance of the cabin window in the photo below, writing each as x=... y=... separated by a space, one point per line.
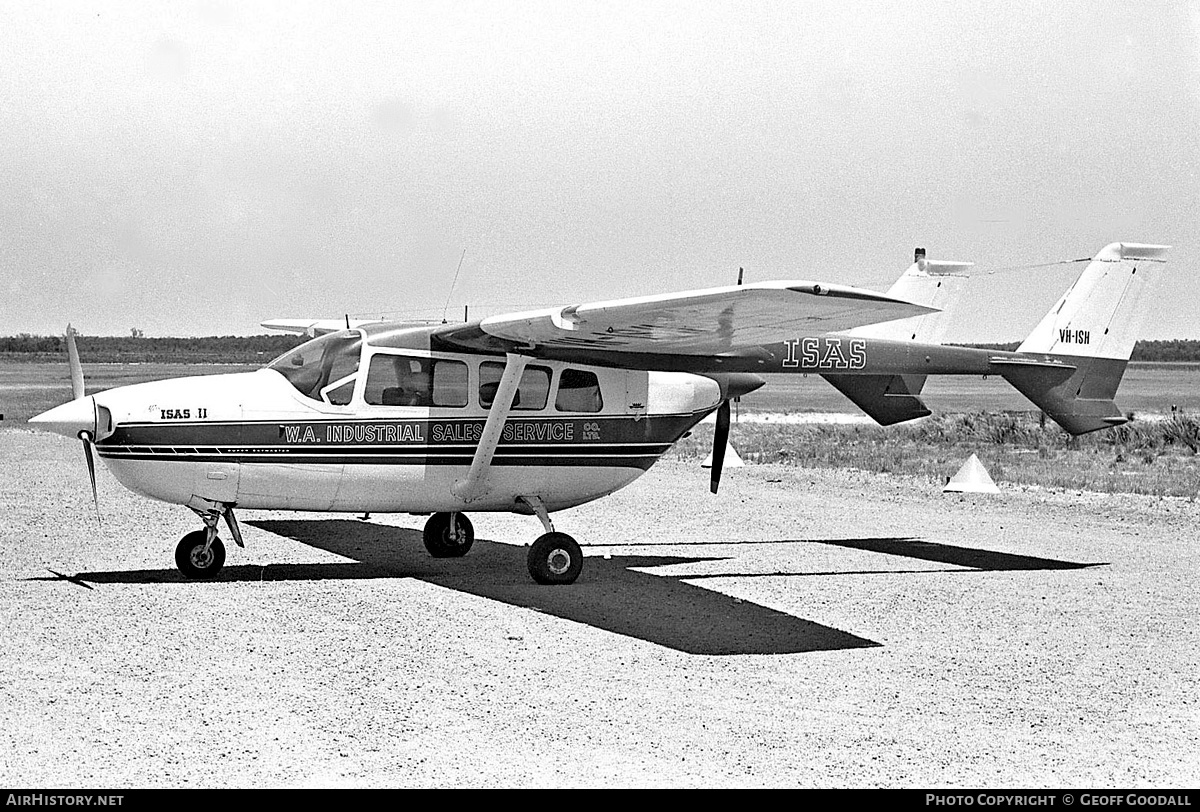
x=324 y=368
x=450 y=385
x=400 y=380
x=532 y=391
x=578 y=391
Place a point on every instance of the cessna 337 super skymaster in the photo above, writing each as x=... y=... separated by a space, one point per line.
x=539 y=411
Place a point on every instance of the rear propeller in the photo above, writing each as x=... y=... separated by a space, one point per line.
x=720 y=441
x=77 y=393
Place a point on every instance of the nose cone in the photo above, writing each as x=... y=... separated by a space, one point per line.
x=70 y=418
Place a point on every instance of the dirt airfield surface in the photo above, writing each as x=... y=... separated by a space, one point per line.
x=804 y=628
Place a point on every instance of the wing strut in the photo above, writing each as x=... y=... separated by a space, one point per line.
x=472 y=486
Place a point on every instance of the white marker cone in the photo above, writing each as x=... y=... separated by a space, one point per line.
x=732 y=460
x=971 y=478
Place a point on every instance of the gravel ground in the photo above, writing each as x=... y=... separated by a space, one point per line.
x=803 y=628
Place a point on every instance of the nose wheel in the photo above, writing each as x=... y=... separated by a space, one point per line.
x=197 y=557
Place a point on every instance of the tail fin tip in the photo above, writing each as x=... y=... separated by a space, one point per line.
x=1136 y=250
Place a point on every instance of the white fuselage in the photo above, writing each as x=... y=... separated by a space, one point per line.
x=255 y=441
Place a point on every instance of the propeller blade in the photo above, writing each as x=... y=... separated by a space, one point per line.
x=91 y=464
x=76 y=367
x=720 y=440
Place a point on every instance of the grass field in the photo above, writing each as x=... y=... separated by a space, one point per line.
x=972 y=415
x=1145 y=388
x=1155 y=457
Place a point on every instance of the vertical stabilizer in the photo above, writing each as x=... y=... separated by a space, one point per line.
x=896 y=398
x=1090 y=332
x=1099 y=316
x=929 y=282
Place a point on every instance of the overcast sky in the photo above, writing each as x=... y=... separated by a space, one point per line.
x=193 y=168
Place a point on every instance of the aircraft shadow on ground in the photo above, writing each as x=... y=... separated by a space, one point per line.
x=610 y=595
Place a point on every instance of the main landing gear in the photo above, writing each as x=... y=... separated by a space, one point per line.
x=448 y=535
x=554 y=558
x=201 y=554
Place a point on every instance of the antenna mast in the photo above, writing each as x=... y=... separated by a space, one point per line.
x=452 y=284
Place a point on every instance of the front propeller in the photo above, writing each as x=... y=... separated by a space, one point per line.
x=80 y=418
x=720 y=441
x=88 y=437
x=88 y=453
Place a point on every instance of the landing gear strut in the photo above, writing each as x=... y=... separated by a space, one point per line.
x=448 y=535
x=554 y=558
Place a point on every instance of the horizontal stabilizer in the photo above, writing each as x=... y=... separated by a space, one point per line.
x=1044 y=363
x=1078 y=396
x=887 y=399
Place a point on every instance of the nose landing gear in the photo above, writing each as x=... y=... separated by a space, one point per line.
x=201 y=554
x=199 y=558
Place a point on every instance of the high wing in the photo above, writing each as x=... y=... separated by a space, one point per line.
x=712 y=322
x=315 y=327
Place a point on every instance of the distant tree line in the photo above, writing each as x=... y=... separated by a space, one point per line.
x=128 y=349
x=262 y=348
x=1177 y=349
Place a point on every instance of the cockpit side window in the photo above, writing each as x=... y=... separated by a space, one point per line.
x=401 y=380
x=324 y=368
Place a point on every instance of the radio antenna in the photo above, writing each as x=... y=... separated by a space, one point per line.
x=452 y=284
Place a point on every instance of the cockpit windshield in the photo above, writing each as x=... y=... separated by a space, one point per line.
x=324 y=368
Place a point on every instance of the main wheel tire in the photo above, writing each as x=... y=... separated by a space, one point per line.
x=555 y=558
x=441 y=543
x=193 y=562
